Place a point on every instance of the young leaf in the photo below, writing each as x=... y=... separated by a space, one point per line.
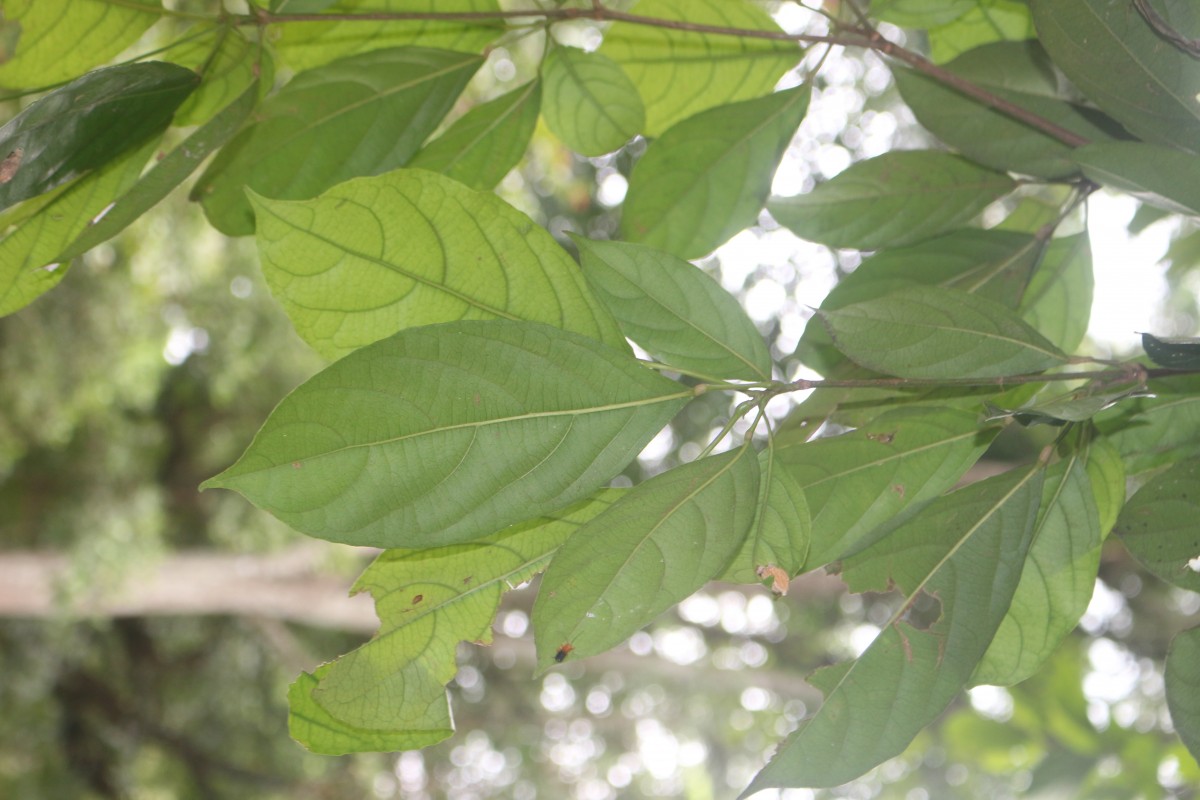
x=1179 y=353
x=362 y=115
x=57 y=41
x=779 y=535
x=445 y=433
x=590 y=102
x=1123 y=66
x=930 y=332
x=654 y=547
x=708 y=176
x=482 y=146
x=674 y=310
x=880 y=473
x=891 y=200
x=303 y=45
x=1162 y=176
x=1059 y=576
x=86 y=124
x=1158 y=525
x=1058 y=302
x=373 y=256
x=964 y=553
x=428 y=601
x=680 y=73
x=1182 y=676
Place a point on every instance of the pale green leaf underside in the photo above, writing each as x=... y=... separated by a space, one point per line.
x=1155 y=432
x=930 y=332
x=779 y=535
x=1058 y=300
x=988 y=21
x=675 y=310
x=655 y=546
x=446 y=433
x=236 y=64
x=376 y=255
x=966 y=551
x=891 y=200
x=1158 y=524
x=680 y=73
x=1161 y=176
x=1183 y=688
x=708 y=176
x=590 y=103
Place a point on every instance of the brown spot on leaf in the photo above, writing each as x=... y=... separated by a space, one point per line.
x=899 y=489
x=10 y=165
x=882 y=438
x=417 y=598
x=297 y=465
x=778 y=577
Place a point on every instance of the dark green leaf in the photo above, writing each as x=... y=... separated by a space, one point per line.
x=708 y=176
x=779 y=535
x=675 y=311
x=590 y=102
x=362 y=115
x=482 y=146
x=1162 y=176
x=1176 y=353
x=891 y=200
x=1183 y=688
x=373 y=256
x=963 y=555
x=930 y=332
x=445 y=433
x=655 y=546
x=86 y=124
x=1158 y=525
x=1115 y=58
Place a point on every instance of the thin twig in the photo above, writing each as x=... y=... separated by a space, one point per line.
x=1163 y=29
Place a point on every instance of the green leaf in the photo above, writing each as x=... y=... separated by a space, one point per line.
x=1162 y=176
x=1021 y=73
x=989 y=21
x=321 y=732
x=1058 y=302
x=779 y=535
x=935 y=333
x=1178 y=353
x=1124 y=67
x=920 y=13
x=680 y=73
x=56 y=41
x=27 y=267
x=675 y=310
x=373 y=256
x=963 y=555
x=87 y=123
x=446 y=433
x=708 y=176
x=1182 y=676
x=858 y=483
x=655 y=546
x=228 y=64
x=164 y=176
x=1076 y=406
x=891 y=200
x=1158 y=525
x=1059 y=576
x=303 y=45
x=428 y=601
x=362 y=115
x=590 y=102
x=1155 y=431
x=300 y=6
x=482 y=146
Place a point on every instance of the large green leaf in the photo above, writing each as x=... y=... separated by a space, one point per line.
x=303 y=45
x=1058 y=302
x=481 y=147
x=1021 y=73
x=779 y=535
x=375 y=255
x=920 y=13
x=1162 y=176
x=1152 y=432
x=675 y=311
x=86 y=124
x=930 y=332
x=708 y=176
x=362 y=115
x=590 y=102
x=963 y=555
x=1115 y=58
x=891 y=200
x=57 y=40
x=1060 y=573
x=228 y=64
x=654 y=547
x=1182 y=675
x=875 y=476
x=446 y=433
x=680 y=73
x=27 y=254
x=989 y=21
x=1158 y=525
x=428 y=601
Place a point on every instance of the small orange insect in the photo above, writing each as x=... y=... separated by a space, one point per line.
x=561 y=655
